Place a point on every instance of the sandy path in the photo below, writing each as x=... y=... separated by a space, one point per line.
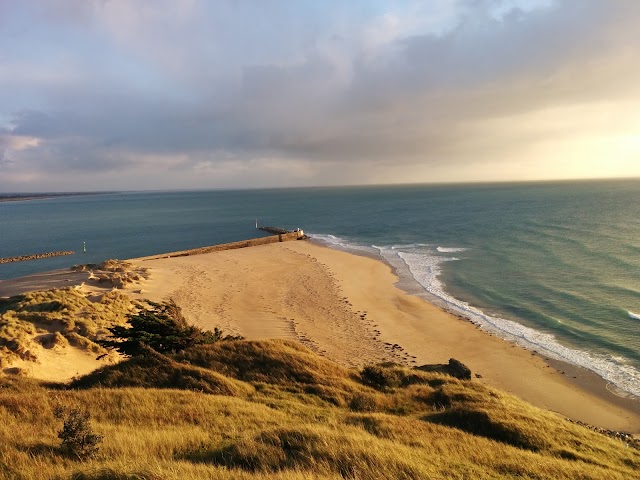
x=347 y=308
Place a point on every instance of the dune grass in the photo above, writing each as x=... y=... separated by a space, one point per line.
x=58 y=318
x=113 y=272
x=273 y=409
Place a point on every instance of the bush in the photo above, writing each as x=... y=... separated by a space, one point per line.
x=482 y=423
x=363 y=402
x=78 y=438
x=381 y=378
x=162 y=327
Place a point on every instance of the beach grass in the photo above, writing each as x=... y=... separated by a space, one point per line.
x=281 y=411
x=58 y=318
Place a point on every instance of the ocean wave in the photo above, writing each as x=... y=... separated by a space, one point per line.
x=451 y=249
x=424 y=266
x=409 y=245
x=425 y=269
x=635 y=316
x=341 y=243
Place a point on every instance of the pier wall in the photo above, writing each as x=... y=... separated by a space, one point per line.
x=274 y=230
x=283 y=237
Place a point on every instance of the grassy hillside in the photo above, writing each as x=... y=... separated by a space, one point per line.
x=251 y=410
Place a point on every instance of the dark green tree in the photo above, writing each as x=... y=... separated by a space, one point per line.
x=77 y=436
x=162 y=327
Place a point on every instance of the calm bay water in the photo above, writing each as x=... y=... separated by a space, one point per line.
x=554 y=267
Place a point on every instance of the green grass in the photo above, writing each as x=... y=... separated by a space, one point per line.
x=273 y=409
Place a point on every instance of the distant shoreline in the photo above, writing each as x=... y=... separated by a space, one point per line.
x=23 y=197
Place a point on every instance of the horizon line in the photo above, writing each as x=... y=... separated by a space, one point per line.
x=26 y=193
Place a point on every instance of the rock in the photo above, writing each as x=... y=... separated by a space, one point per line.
x=455 y=368
x=459 y=369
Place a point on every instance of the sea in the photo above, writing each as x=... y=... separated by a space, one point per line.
x=553 y=267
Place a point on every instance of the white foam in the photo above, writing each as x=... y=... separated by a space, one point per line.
x=635 y=316
x=410 y=245
x=340 y=243
x=619 y=359
x=451 y=249
x=425 y=269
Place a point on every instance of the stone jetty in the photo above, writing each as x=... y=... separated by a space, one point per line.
x=35 y=256
x=285 y=236
x=274 y=230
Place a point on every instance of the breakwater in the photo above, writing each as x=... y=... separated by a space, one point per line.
x=281 y=237
x=35 y=256
x=274 y=230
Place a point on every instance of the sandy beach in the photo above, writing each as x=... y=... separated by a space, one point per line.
x=347 y=308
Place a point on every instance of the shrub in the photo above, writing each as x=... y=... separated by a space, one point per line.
x=482 y=423
x=381 y=378
x=363 y=402
x=77 y=436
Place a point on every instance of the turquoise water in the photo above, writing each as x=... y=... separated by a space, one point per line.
x=554 y=267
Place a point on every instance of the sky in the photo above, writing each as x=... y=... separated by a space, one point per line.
x=179 y=94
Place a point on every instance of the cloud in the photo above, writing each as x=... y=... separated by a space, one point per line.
x=311 y=94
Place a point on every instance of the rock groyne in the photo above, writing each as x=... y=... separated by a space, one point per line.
x=274 y=230
x=281 y=231
x=35 y=256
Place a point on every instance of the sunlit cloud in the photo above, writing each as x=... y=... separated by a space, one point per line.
x=180 y=94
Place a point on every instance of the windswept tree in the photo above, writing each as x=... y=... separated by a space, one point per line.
x=162 y=327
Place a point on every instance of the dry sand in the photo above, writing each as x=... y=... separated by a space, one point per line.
x=42 y=281
x=61 y=364
x=347 y=308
